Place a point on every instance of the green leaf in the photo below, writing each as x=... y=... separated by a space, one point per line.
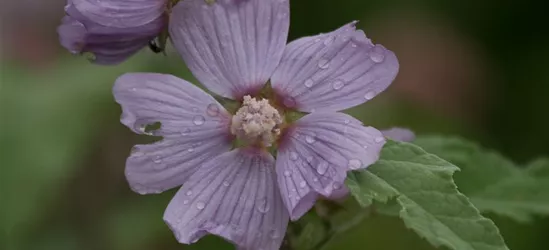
x=430 y=204
x=492 y=182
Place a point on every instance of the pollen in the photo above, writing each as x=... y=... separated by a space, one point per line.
x=256 y=122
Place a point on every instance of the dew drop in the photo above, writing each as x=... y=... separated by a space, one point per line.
x=347 y=121
x=287 y=173
x=354 y=164
x=315 y=179
x=185 y=202
x=338 y=84
x=189 y=193
x=379 y=139
x=198 y=120
x=263 y=206
x=309 y=159
x=212 y=109
x=309 y=83
x=293 y=156
x=365 y=146
x=190 y=150
x=370 y=95
x=133 y=89
x=226 y=183
x=302 y=184
x=336 y=186
x=200 y=205
x=186 y=132
x=329 y=40
x=322 y=167
x=377 y=54
x=353 y=45
x=323 y=64
x=310 y=139
x=157 y=159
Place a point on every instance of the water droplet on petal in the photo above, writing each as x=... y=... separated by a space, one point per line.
x=200 y=205
x=157 y=159
x=336 y=186
x=190 y=150
x=185 y=202
x=322 y=167
x=309 y=159
x=309 y=83
x=353 y=45
x=263 y=206
x=329 y=40
x=315 y=179
x=310 y=139
x=302 y=184
x=365 y=146
x=323 y=64
x=338 y=84
x=133 y=89
x=379 y=139
x=354 y=164
x=189 y=193
x=370 y=95
x=226 y=183
x=212 y=109
x=377 y=54
x=293 y=156
x=274 y=234
x=287 y=173
x=198 y=120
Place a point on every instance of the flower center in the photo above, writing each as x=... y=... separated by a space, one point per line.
x=256 y=122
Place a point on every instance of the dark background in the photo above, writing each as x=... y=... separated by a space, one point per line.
x=478 y=69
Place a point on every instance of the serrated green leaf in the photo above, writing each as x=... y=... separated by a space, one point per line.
x=492 y=182
x=430 y=203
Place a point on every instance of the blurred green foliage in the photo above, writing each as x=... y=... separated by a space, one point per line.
x=62 y=148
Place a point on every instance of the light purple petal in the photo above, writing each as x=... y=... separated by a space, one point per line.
x=399 y=134
x=231 y=46
x=108 y=45
x=333 y=71
x=316 y=154
x=121 y=13
x=234 y=196
x=193 y=124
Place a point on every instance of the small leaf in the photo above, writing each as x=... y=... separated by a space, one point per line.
x=494 y=183
x=430 y=203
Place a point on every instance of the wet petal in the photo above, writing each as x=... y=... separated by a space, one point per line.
x=193 y=124
x=234 y=196
x=316 y=154
x=121 y=13
x=333 y=71
x=231 y=46
x=399 y=134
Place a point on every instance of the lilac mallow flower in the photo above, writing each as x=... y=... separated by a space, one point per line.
x=110 y=31
x=242 y=193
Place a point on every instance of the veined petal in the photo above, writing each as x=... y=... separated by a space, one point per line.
x=109 y=45
x=166 y=164
x=193 y=124
x=334 y=71
x=316 y=154
x=234 y=196
x=399 y=134
x=231 y=46
x=121 y=13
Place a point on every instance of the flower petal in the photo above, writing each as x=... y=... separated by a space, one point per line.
x=193 y=124
x=231 y=46
x=108 y=45
x=334 y=71
x=166 y=164
x=121 y=13
x=234 y=196
x=316 y=154
x=399 y=134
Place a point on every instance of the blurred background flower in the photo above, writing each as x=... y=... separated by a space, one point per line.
x=475 y=69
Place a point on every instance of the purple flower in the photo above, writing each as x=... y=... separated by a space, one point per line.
x=111 y=30
x=234 y=47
